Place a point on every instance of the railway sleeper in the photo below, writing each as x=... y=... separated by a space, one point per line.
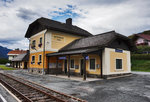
x=47 y=100
x=37 y=95
x=39 y=98
x=31 y=93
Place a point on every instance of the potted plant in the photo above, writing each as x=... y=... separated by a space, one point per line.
x=39 y=63
x=40 y=45
x=32 y=46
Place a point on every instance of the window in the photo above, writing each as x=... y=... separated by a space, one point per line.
x=41 y=40
x=33 y=44
x=92 y=64
x=118 y=63
x=72 y=63
x=40 y=58
x=33 y=59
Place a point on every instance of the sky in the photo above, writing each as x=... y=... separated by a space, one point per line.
x=96 y=16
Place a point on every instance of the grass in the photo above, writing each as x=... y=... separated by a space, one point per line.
x=3 y=67
x=141 y=65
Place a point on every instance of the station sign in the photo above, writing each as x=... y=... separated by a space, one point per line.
x=118 y=50
x=87 y=57
x=62 y=58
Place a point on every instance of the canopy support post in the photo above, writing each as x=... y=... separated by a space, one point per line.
x=84 y=68
x=56 y=65
x=68 y=66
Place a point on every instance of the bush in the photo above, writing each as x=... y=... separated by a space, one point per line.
x=141 y=65
x=4 y=61
x=142 y=49
x=140 y=56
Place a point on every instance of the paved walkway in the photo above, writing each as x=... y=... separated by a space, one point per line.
x=133 y=88
x=77 y=78
x=5 y=96
x=142 y=73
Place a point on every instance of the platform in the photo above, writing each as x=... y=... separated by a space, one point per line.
x=75 y=78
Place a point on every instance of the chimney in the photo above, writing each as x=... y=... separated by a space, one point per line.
x=17 y=49
x=27 y=51
x=69 y=21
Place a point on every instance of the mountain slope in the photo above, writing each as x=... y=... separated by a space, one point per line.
x=3 y=52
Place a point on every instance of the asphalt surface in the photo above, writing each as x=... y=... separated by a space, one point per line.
x=6 y=95
x=134 y=88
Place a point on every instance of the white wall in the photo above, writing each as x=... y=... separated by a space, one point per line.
x=10 y=57
x=106 y=62
x=139 y=40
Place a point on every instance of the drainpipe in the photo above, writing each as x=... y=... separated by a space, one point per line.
x=43 y=72
x=29 y=55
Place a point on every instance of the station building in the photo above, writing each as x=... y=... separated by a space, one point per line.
x=63 y=48
x=21 y=61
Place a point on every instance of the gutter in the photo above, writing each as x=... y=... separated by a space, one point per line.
x=43 y=72
x=29 y=53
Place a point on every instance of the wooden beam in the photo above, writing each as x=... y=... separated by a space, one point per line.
x=84 y=67
x=56 y=64
x=101 y=62
x=68 y=66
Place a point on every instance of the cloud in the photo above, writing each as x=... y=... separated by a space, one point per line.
x=125 y=17
x=100 y=2
x=27 y=14
x=22 y=44
x=97 y=16
x=6 y=1
x=16 y=16
x=63 y=13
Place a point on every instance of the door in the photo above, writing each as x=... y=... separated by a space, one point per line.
x=65 y=66
x=25 y=65
x=16 y=64
x=81 y=66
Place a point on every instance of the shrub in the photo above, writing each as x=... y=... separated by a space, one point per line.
x=143 y=49
x=141 y=65
x=140 y=56
x=4 y=61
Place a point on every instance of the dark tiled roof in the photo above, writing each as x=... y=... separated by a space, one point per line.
x=144 y=36
x=100 y=40
x=81 y=51
x=22 y=57
x=92 y=44
x=44 y=23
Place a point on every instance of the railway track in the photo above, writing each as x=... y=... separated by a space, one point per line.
x=28 y=91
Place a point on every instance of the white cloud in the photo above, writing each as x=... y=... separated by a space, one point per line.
x=21 y=44
x=96 y=16
x=126 y=17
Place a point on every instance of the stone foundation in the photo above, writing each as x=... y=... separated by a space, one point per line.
x=115 y=75
x=72 y=73
x=35 y=70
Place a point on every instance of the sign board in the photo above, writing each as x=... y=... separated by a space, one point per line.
x=87 y=57
x=62 y=58
x=118 y=50
x=58 y=38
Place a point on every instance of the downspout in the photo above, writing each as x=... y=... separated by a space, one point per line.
x=29 y=55
x=43 y=72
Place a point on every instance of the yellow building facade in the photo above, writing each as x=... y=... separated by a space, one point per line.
x=62 y=48
x=44 y=42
